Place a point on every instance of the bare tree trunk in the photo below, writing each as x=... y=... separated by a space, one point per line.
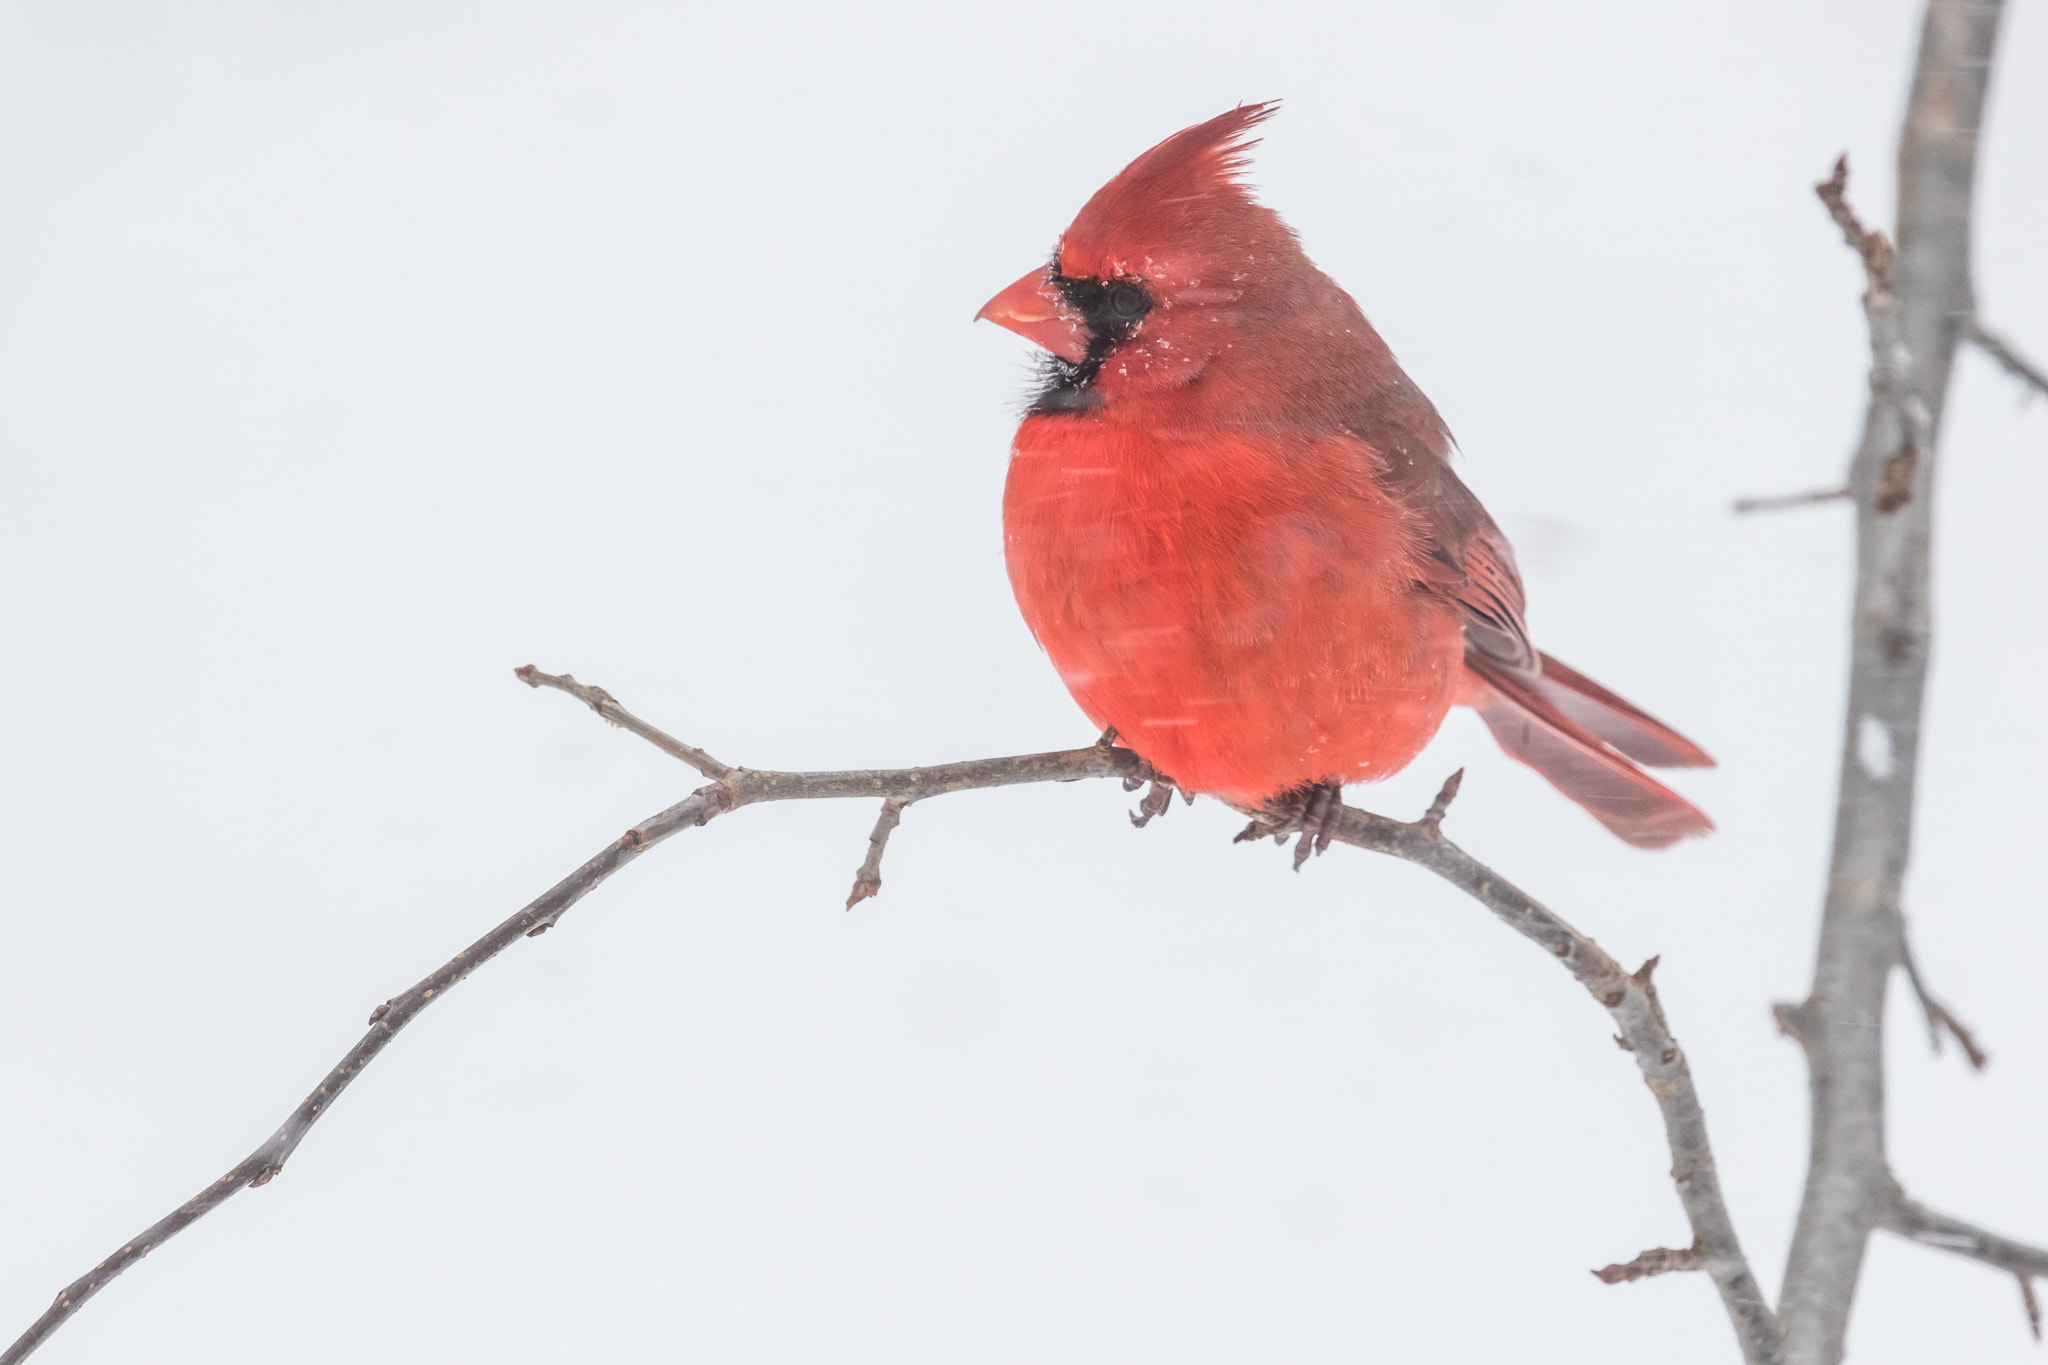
x=1917 y=317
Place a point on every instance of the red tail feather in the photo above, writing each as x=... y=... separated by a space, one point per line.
x=1580 y=737
x=1635 y=732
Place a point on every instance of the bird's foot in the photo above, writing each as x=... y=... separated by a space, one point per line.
x=1322 y=812
x=1159 y=799
x=1313 y=811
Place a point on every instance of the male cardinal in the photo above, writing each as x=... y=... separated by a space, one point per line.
x=1232 y=523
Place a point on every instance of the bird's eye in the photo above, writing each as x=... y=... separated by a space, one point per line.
x=1126 y=301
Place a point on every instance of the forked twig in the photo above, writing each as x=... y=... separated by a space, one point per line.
x=1940 y=1019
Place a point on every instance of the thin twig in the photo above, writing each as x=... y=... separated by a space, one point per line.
x=1655 y=1261
x=1939 y=1018
x=1869 y=243
x=606 y=705
x=1433 y=818
x=1779 y=502
x=868 y=880
x=2008 y=355
x=1792 y=1022
x=1916 y=1222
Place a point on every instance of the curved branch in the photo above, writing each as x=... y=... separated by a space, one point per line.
x=266 y=1161
x=1629 y=998
x=1632 y=1002
x=737 y=787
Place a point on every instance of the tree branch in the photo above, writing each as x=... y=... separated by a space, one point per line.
x=1630 y=999
x=735 y=788
x=1917 y=304
x=2016 y=365
x=1917 y=1223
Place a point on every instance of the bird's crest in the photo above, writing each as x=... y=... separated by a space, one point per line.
x=1184 y=193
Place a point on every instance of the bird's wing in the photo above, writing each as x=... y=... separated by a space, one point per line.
x=1465 y=556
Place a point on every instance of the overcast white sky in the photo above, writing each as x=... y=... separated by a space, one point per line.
x=353 y=354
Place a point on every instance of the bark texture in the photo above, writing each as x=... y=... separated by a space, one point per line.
x=1920 y=307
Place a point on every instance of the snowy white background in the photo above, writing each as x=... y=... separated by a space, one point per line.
x=353 y=354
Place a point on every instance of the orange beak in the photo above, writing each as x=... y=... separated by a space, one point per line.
x=1034 y=310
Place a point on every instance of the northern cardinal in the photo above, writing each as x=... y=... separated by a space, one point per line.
x=1231 y=521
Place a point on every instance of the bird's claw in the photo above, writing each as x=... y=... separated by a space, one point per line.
x=1157 y=802
x=1322 y=812
x=1159 y=798
x=1312 y=812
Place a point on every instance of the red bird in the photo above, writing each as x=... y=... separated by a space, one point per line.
x=1231 y=521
